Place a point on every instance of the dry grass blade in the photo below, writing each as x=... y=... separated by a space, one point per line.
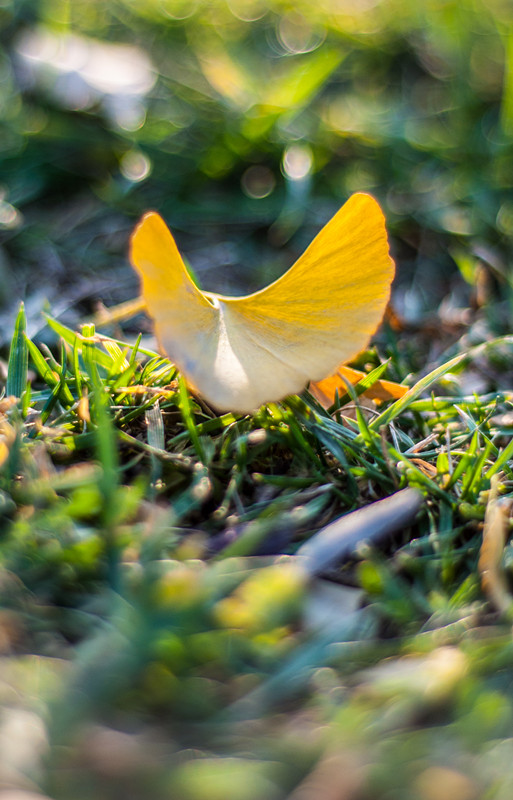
x=493 y=579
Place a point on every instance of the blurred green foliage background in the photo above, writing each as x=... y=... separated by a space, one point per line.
x=246 y=123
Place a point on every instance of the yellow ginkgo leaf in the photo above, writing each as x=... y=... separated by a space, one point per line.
x=241 y=352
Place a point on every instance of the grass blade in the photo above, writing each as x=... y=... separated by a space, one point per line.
x=51 y=377
x=18 y=358
x=188 y=418
x=402 y=404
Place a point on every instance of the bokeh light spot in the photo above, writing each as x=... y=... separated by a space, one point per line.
x=247 y=10
x=80 y=72
x=456 y=220
x=179 y=9
x=505 y=218
x=10 y=217
x=135 y=166
x=297 y=162
x=127 y=113
x=258 y=182
x=297 y=35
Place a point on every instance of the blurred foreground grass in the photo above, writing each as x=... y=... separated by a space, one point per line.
x=152 y=645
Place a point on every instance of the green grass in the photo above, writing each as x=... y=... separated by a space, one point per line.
x=132 y=522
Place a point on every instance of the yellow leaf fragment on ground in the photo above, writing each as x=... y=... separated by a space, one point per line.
x=241 y=352
x=325 y=391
